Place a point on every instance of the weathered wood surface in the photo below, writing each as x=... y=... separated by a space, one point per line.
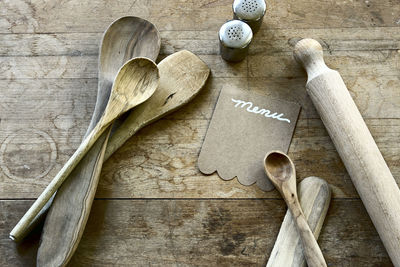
x=268 y=41
x=48 y=83
x=21 y=16
x=218 y=232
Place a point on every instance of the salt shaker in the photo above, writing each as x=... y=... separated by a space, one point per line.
x=250 y=11
x=234 y=39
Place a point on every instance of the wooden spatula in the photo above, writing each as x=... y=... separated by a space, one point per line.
x=314 y=196
x=182 y=75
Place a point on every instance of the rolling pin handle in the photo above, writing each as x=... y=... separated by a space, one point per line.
x=308 y=53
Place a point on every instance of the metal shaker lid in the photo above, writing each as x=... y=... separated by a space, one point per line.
x=235 y=34
x=249 y=9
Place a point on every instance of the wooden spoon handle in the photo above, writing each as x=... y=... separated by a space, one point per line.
x=314 y=196
x=20 y=229
x=311 y=249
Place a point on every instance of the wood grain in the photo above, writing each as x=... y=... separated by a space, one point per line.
x=268 y=41
x=48 y=70
x=353 y=63
x=376 y=97
x=195 y=232
x=21 y=16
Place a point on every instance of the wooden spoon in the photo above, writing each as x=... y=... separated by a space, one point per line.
x=125 y=38
x=135 y=83
x=281 y=171
x=132 y=37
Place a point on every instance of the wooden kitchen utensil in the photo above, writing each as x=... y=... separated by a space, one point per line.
x=281 y=171
x=136 y=82
x=314 y=196
x=364 y=162
x=125 y=38
x=146 y=43
x=182 y=75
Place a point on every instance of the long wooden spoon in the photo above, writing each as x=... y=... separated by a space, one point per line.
x=125 y=38
x=136 y=82
x=281 y=171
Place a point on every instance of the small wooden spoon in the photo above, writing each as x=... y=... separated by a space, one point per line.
x=135 y=83
x=182 y=75
x=281 y=171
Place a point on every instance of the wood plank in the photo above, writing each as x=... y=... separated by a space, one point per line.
x=349 y=63
x=23 y=100
x=270 y=41
x=23 y=16
x=267 y=42
x=54 y=44
x=198 y=233
x=160 y=162
x=376 y=97
x=85 y=67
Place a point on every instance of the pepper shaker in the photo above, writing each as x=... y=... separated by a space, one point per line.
x=234 y=39
x=250 y=11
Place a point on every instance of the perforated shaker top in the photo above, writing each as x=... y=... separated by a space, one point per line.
x=235 y=34
x=249 y=9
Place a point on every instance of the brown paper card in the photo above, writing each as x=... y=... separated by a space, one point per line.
x=244 y=127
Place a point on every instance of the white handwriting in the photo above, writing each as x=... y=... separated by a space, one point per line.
x=257 y=110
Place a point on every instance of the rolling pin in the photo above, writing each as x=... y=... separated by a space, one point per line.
x=314 y=196
x=364 y=162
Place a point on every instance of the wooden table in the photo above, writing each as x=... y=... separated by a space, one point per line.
x=153 y=206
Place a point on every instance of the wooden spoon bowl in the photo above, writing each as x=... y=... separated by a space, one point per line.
x=124 y=39
x=279 y=167
x=136 y=82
